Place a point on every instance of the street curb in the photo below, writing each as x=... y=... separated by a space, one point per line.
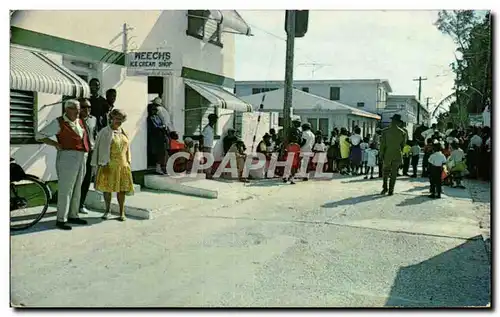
x=175 y=185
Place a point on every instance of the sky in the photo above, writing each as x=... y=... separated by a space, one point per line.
x=395 y=45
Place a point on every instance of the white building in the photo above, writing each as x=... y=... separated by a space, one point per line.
x=56 y=53
x=366 y=94
x=323 y=114
x=406 y=106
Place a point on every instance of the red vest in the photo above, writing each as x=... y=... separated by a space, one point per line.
x=70 y=140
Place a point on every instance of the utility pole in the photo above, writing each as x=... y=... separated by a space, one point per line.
x=125 y=38
x=290 y=43
x=427 y=107
x=419 y=79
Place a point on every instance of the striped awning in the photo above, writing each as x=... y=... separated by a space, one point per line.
x=33 y=71
x=231 y=20
x=219 y=97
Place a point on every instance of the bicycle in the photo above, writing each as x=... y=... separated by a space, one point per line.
x=28 y=193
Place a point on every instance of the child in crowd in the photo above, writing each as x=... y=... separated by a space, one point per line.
x=371 y=160
x=446 y=149
x=436 y=163
x=428 y=149
x=456 y=165
x=356 y=153
x=364 y=146
x=406 y=158
x=415 y=156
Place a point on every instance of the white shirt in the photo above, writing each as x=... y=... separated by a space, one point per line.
x=437 y=159
x=165 y=116
x=371 y=155
x=475 y=140
x=363 y=146
x=53 y=128
x=415 y=150
x=355 y=139
x=310 y=138
x=457 y=155
x=319 y=147
x=208 y=136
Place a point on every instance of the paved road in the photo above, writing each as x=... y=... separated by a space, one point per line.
x=329 y=243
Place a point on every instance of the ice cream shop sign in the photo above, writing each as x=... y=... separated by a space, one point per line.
x=151 y=63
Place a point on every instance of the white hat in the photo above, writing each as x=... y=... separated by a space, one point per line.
x=157 y=101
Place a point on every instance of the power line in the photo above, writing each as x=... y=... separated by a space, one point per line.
x=313 y=61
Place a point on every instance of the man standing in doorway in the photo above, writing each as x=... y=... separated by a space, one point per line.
x=110 y=100
x=391 y=144
x=90 y=123
x=98 y=103
x=208 y=135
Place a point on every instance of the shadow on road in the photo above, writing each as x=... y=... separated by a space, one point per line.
x=362 y=180
x=51 y=225
x=456 y=278
x=418 y=189
x=352 y=201
x=414 y=200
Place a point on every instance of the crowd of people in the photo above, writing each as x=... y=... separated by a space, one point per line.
x=91 y=143
x=448 y=156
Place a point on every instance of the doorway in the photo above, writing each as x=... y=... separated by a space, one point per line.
x=155 y=89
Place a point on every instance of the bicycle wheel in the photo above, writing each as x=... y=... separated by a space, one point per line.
x=29 y=201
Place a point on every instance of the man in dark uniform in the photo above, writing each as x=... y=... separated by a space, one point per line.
x=98 y=103
x=391 y=145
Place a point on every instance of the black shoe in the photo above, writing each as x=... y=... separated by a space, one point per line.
x=77 y=221
x=414 y=176
x=390 y=193
x=371 y=177
x=383 y=192
x=62 y=225
x=432 y=196
x=438 y=196
x=305 y=179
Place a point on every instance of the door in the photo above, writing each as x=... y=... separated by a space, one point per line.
x=324 y=126
x=314 y=123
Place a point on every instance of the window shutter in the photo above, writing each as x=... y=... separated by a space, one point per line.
x=22 y=118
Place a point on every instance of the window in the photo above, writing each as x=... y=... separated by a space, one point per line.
x=361 y=104
x=260 y=90
x=334 y=93
x=320 y=124
x=22 y=117
x=323 y=126
x=305 y=89
x=314 y=124
x=201 y=26
x=197 y=109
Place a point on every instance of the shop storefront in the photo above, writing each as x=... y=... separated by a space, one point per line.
x=185 y=57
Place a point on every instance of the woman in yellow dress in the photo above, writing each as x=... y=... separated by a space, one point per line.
x=345 y=149
x=112 y=159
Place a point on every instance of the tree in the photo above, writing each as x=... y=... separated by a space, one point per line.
x=473 y=66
